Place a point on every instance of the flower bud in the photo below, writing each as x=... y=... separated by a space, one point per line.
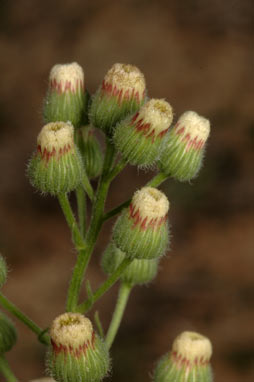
x=184 y=146
x=140 y=271
x=139 y=138
x=66 y=97
x=3 y=271
x=187 y=362
x=76 y=353
x=56 y=166
x=142 y=230
x=122 y=92
x=90 y=151
x=8 y=335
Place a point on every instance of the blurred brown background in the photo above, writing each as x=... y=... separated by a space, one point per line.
x=199 y=56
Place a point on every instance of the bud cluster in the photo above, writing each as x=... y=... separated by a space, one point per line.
x=68 y=153
x=138 y=127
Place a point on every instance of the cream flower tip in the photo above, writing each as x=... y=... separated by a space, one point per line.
x=158 y=113
x=126 y=77
x=56 y=135
x=195 y=125
x=71 y=329
x=151 y=203
x=192 y=346
x=62 y=73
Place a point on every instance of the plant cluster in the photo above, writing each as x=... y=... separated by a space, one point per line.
x=137 y=131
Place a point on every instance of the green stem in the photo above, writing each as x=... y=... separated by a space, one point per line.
x=6 y=370
x=95 y=225
x=157 y=180
x=123 y=295
x=116 y=210
x=71 y=221
x=22 y=317
x=85 y=306
x=87 y=186
x=81 y=202
x=154 y=182
x=98 y=324
x=117 y=169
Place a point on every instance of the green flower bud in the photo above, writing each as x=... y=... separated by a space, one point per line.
x=56 y=166
x=140 y=271
x=139 y=138
x=184 y=147
x=187 y=362
x=8 y=335
x=90 y=151
x=3 y=271
x=66 y=99
x=142 y=230
x=76 y=353
x=122 y=92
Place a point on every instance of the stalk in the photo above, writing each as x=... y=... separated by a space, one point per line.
x=93 y=231
x=6 y=370
x=71 y=221
x=81 y=202
x=8 y=305
x=123 y=295
x=85 y=306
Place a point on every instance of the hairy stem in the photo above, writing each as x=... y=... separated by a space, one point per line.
x=81 y=202
x=8 y=305
x=93 y=231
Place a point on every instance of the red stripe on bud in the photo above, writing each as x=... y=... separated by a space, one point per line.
x=47 y=155
x=144 y=223
x=62 y=87
x=76 y=352
x=120 y=94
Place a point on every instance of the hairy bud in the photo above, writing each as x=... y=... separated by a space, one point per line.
x=142 y=230
x=66 y=98
x=56 y=166
x=184 y=146
x=122 y=92
x=76 y=353
x=139 y=138
x=188 y=360
x=140 y=271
